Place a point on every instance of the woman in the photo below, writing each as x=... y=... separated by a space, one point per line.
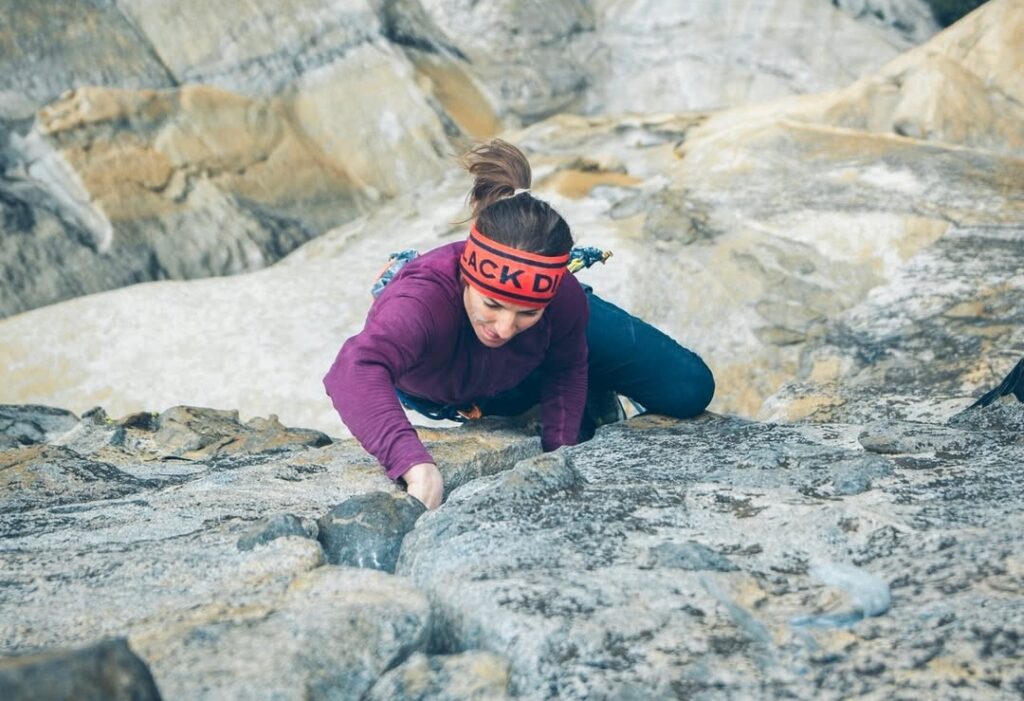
x=495 y=324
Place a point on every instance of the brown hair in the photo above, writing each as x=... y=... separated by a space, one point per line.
x=522 y=221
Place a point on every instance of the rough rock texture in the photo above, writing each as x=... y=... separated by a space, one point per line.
x=113 y=187
x=260 y=149
x=771 y=218
x=717 y=559
x=272 y=528
x=947 y=90
x=146 y=534
x=468 y=676
x=615 y=56
x=923 y=345
x=866 y=241
x=26 y=425
x=914 y=19
x=711 y=55
x=330 y=635
x=367 y=530
x=106 y=671
x=46 y=49
x=188 y=141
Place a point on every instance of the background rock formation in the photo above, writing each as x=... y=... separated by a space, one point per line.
x=195 y=142
x=849 y=262
x=777 y=217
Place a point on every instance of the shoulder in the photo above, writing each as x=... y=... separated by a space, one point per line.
x=427 y=289
x=570 y=302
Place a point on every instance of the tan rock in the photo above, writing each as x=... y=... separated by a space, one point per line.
x=334 y=629
x=944 y=90
x=195 y=133
x=741 y=234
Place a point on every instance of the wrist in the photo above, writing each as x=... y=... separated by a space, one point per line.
x=419 y=472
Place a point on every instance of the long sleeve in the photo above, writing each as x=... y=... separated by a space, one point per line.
x=564 y=388
x=361 y=382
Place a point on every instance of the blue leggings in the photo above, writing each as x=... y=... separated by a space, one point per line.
x=630 y=357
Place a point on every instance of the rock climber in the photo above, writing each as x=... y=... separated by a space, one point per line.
x=495 y=325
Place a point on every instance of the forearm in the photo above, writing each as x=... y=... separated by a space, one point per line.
x=562 y=403
x=364 y=396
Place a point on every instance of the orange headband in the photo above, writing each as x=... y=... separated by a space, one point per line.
x=510 y=275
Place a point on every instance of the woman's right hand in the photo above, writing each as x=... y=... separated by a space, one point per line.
x=424 y=482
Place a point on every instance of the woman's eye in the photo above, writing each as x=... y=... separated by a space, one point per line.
x=492 y=305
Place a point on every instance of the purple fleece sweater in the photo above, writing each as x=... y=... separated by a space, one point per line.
x=418 y=337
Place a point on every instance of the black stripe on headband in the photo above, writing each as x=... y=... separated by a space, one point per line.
x=505 y=293
x=509 y=256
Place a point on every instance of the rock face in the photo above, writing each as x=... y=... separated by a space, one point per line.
x=778 y=218
x=184 y=143
x=26 y=425
x=259 y=150
x=622 y=56
x=718 y=557
x=48 y=49
x=101 y=672
x=861 y=249
x=712 y=55
x=330 y=635
x=195 y=539
x=367 y=530
x=914 y=19
x=910 y=350
x=469 y=676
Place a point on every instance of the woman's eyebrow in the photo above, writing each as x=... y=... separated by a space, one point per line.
x=491 y=300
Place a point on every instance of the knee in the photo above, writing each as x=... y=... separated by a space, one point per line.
x=686 y=394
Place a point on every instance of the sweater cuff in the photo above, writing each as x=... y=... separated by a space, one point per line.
x=405 y=465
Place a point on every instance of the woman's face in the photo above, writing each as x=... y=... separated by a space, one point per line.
x=494 y=322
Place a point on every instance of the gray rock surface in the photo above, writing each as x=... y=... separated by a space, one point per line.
x=778 y=217
x=467 y=676
x=272 y=528
x=911 y=347
x=106 y=671
x=330 y=635
x=866 y=242
x=179 y=144
x=716 y=559
x=911 y=18
x=246 y=146
x=26 y=425
x=46 y=49
x=367 y=530
x=138 y=536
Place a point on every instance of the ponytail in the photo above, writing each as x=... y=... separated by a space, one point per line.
x=498 y=169
x=502 y=206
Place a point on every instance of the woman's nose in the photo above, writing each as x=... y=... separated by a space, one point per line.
x=505 y=325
